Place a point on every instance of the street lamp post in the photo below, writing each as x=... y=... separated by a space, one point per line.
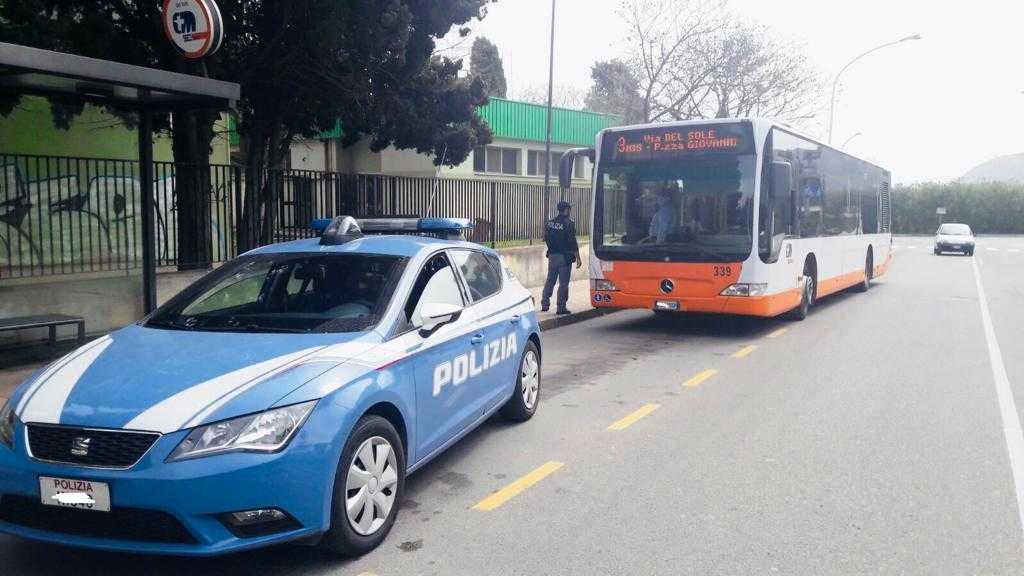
x=835 y=82
x=850 y=139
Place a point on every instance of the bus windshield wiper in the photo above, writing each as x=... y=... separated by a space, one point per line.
x=709 y=252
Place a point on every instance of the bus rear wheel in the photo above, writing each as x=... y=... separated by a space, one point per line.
x=869 y=273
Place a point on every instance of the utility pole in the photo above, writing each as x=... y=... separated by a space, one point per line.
x=547 y=140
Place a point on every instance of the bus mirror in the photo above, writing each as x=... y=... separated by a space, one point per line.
x=782 y=179
x=565 y=167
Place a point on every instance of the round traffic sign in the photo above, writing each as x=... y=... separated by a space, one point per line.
x=195 y=27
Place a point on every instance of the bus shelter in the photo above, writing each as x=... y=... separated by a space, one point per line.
x=33 y=71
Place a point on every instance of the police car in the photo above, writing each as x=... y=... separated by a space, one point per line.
x=284 y=396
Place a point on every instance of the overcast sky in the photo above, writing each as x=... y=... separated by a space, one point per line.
x=928 y=110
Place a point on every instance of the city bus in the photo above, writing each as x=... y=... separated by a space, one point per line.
x=730 y=216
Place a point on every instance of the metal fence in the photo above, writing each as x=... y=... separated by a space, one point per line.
x=63 y=215
x=503 y=212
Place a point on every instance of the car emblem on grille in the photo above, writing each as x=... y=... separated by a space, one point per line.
x=667 y=286
x=80 y=446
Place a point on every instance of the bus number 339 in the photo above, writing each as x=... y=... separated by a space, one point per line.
x=723 y=271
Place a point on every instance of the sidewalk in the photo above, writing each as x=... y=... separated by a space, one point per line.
x=11 y=377
x=579 y=305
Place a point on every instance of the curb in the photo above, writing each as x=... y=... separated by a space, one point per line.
x=560 y=321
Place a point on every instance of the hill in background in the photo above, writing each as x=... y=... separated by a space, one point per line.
x=1009 y=168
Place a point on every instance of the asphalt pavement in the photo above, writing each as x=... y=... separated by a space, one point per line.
x=871 y=438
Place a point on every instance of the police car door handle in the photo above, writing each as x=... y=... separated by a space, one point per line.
x=515 y=319
x=476 y=339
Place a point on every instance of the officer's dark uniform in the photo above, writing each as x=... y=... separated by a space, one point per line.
x=560 y=237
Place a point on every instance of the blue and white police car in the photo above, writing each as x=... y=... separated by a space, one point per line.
x=284 y=396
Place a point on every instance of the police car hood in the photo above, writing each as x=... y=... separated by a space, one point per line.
x=165 y=380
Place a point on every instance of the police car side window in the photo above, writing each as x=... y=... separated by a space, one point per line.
x=435 y=284
x=482 y=275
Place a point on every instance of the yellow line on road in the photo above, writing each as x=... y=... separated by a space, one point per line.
x=512 y=490
x=744 y=352
x=634 y=416
x=700 y=378
x=777 y=333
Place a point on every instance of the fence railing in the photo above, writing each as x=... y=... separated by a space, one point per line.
x=63 y=215
x=503 y=212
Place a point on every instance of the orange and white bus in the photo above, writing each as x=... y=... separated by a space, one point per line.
x=743 y=216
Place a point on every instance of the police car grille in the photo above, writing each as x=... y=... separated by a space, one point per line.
x=106 y=448
x=133 y=524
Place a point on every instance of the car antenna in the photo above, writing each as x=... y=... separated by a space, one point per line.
x=437 y=179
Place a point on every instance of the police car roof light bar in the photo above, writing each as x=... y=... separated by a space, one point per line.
x=342 y=229
x=338 y=230
x=446 y=228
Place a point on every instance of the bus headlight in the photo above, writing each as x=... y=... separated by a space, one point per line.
x=745 y=290
x=603 y=285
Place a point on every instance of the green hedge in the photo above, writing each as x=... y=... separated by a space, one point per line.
x=990 y=208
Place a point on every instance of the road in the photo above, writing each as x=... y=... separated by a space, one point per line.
x=866 y=439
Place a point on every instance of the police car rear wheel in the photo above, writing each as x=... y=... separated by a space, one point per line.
x=367 y=488
x=523 y=403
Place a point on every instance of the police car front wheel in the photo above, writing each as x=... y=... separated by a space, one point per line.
x=367 y=488
x=523 y=403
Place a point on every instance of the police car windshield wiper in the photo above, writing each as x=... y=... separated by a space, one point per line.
x=251 y=327
x=168 y=324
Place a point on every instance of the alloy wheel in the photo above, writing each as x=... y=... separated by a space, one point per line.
x=529 y=377
x=371 y=485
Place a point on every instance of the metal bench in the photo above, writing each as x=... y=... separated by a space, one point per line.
x=50 y=321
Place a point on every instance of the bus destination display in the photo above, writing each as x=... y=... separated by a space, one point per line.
x=674 y=142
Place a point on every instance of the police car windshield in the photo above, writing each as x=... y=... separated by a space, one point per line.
x=299 y=293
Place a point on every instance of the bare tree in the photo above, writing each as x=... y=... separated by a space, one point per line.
x=668 y=53
x=563 y=96
x=694 y=59
x=760 y=76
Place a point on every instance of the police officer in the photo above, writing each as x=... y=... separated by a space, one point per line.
x=560 y=237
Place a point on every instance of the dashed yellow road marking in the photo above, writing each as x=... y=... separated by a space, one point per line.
x=700 y=378
x=634 y=416
x=744 y=352
x=512 y=490
x=777 y=333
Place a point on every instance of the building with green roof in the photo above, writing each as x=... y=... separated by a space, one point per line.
x=516 y=153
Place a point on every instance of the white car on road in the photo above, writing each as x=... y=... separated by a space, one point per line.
x=953 y=237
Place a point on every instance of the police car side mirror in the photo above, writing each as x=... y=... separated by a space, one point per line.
x=436 y=314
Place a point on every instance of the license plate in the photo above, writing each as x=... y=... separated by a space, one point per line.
x=71 y=493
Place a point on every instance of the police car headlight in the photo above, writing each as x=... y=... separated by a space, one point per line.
x=7 y=425
x=268 y=431
x=745 y=290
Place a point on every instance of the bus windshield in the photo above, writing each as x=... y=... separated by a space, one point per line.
x=688 y=209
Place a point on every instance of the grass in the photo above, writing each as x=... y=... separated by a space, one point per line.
x=527 y=242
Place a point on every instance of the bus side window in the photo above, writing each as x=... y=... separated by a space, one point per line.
x=782 y=197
